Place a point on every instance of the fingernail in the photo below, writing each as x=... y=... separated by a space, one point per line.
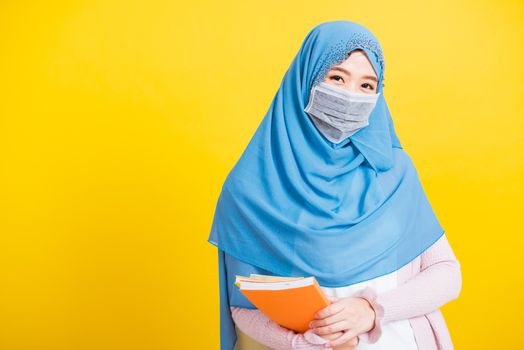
x=327 y=345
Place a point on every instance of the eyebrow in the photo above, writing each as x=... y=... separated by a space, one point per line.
x=349 y=73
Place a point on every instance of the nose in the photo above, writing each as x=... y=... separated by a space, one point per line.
x=351 y=87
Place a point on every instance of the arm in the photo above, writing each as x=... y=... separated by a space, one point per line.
x=267 y=332
x=438 y=282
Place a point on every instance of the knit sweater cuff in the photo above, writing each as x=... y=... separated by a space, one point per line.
x=312 y=339
x=373 y=335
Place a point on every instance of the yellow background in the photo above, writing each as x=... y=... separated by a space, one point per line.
x=121 y=119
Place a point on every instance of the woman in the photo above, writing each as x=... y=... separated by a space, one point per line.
x=325 y=189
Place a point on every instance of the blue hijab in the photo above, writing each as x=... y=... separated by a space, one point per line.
x=296 y=204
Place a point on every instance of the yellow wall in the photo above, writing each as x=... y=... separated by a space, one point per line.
x=121 y=119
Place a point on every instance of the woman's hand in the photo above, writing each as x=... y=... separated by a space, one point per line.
x=353 y=316
x=349 y=345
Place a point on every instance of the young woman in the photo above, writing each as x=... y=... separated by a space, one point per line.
x=325 y=189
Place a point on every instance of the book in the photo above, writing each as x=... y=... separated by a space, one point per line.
x=291 y=302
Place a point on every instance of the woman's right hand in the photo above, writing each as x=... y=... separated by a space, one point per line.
x=349 y=345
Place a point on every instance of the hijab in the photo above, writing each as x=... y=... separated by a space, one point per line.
x=296 y=204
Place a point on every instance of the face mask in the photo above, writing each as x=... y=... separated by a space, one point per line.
x=338 y=113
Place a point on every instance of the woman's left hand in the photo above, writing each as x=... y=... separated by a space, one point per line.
x=352 y=315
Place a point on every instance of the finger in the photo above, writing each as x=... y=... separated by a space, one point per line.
x=332 y=299
x=353 y=341
x=356 y=340
x=339 y=326
x=331 y=336
x=329 y=310
x=327 y=321
x=344 y=338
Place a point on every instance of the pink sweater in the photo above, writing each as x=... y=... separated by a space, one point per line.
x=425 y=284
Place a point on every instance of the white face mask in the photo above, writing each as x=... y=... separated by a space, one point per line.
x=338 y=113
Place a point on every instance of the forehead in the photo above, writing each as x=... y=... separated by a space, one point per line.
x=355 y=57
x=357 y=62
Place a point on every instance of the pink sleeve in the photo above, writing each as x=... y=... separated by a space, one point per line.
x=438 y=282
x=259 y=327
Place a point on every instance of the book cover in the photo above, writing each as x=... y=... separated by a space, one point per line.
x=289 y=301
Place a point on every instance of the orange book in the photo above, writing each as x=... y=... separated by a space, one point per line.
x=289 y=301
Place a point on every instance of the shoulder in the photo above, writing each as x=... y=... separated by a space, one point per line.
x=402 y=157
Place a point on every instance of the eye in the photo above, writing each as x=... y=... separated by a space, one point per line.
x=337 y=76
x=370 y=86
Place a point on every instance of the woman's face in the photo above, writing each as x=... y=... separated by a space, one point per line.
x=355 y=74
